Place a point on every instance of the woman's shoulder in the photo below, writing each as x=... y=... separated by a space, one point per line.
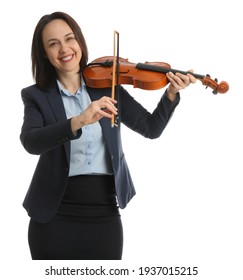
x=35 y=90
x=31 y=88
x=31 y=93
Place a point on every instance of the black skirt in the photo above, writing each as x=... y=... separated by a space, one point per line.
x=87 y=225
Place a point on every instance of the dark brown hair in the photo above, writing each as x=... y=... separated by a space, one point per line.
x=43 y=71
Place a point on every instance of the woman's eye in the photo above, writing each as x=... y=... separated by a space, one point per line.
x=52 y=44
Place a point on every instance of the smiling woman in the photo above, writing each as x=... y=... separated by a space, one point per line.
x=63 y=51
x=82 y=177
x=53 y=37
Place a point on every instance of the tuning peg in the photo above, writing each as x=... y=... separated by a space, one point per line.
x=207 y=75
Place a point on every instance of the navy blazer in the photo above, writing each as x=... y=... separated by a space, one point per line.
x=46 y=131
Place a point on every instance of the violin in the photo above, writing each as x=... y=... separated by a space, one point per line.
x=147 y=76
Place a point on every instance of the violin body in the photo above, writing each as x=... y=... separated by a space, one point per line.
x=98 y=74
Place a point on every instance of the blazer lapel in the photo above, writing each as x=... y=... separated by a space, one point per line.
x=56 y=103
x=55 y=100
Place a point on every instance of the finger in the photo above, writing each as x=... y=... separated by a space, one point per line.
x=192 y=78
x=172 y=78
x=108 y=99
x=107 y=113
x=109 y=108
x=177 y=77
x=107 y=102
x=106 y=108
x=183 y=79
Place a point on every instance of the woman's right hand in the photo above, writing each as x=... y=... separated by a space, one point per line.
x=102 y=108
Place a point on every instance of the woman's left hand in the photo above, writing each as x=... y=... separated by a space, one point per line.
x=178 y=81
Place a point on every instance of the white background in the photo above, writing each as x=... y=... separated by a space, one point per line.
x=188 y=208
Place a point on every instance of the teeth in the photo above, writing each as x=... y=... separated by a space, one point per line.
x=67 y=57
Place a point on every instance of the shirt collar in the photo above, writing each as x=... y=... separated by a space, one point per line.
x=68 y=93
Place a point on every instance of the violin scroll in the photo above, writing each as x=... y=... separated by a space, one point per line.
x=222 y=87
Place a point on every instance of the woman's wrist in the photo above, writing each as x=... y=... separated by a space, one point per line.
x=76 y=123
x=171 y=94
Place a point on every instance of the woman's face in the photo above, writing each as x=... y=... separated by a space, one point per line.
x=61 y=47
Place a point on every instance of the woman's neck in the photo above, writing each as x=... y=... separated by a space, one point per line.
x=71 y=82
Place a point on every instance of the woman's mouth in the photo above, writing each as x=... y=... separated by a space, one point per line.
x=67 y=58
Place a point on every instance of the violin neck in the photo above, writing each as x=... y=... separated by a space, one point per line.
x=161 y=69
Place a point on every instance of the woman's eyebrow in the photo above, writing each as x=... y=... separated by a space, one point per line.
x=54 y=39
x=71 y=33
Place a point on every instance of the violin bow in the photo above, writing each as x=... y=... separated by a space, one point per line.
x=115 y=77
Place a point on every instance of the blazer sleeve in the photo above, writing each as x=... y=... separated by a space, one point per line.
x=137 y=118
x=41 y=130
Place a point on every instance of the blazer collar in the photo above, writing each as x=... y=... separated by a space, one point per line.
x=55 y=100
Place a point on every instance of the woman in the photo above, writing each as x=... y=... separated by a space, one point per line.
x=82 y=177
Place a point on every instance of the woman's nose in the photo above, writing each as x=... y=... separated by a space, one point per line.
x=64 y=48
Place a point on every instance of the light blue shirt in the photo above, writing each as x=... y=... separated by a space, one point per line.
x=89 y=154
